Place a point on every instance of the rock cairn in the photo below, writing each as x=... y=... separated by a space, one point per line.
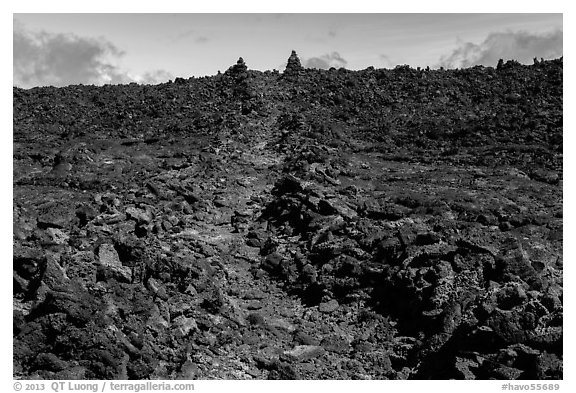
x=294 y=67
x=238 y=70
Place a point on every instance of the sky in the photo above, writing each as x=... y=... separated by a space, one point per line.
x=60 y=49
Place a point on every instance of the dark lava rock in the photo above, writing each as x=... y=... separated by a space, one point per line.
x=335 y=343
x=111 y=266
x=510 y=296
x=255 y=319
x=50 y=362
x=328 y=307
x=408 y=225
x=302 y=353
x=283 y=371
x=303 y=338
x=288 y=184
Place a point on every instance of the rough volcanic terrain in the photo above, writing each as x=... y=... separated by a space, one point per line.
x=310 y=224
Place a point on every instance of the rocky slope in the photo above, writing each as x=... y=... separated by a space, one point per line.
x=375 y=224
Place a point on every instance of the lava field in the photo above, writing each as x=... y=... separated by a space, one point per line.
x=307 y=224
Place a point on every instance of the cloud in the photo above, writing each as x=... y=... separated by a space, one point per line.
x=189 y=35
x=326 y=61
x=322 y=36
x=520 y=45
x=386 y=61
x=42 y=59
x=154 y=77
x=61 y=59
x=185 y=34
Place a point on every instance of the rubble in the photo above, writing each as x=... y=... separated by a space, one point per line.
x=315 y=224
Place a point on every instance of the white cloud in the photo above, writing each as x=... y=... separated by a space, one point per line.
x=153 y=77
x=42 y=59
x=520 y=45
x=386 y=61
x=326 y=61
x=189 y=35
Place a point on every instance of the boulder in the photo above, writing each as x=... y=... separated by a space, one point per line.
x=302 y=353
x=110 y=265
